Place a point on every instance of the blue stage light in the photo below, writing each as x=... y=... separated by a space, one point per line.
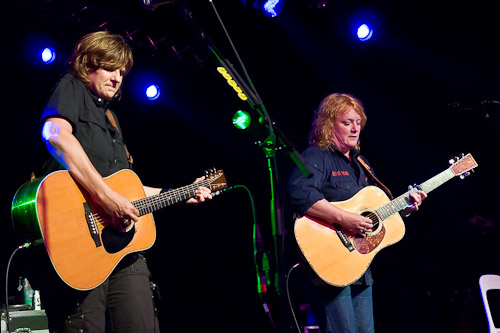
x=48 y=55
x=270 y=8
x=364 y=32
x=152 y=92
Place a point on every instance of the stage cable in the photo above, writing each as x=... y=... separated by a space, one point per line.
x=258 y=249
x=288 y=294
x=7 y=316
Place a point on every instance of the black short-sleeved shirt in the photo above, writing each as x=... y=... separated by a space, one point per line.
x=104 y=145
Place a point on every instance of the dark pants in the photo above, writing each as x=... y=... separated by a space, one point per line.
x=122 y=303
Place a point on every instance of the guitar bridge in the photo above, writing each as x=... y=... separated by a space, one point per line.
x=90 y=217
x=344 y=239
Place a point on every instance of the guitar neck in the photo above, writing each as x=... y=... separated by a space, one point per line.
x=387 y=210
x=155 y=202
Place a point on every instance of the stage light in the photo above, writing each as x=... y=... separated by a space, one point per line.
x=146 y=85
x=270 y=8
x=241 y=119
x=366 y=24
x=232 y=83
x=364 y=32
x=152 y=92
x=48 y=55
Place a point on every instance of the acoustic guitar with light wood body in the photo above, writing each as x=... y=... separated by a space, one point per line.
x=340 y=258
x=82 y=246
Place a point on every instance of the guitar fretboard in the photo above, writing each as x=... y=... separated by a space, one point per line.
x=387 y=210
x=165 y=199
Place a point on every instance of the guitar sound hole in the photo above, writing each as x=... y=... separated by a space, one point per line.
x=372 y=216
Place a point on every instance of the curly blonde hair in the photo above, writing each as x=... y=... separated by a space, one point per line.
x=330 y=108
x=101 y=49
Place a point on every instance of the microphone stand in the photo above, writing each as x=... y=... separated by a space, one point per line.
x=276 y=140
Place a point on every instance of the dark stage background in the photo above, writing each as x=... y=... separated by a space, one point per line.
x=424 y=79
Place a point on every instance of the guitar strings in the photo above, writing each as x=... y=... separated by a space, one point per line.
x=149 y=204
x=394 y=206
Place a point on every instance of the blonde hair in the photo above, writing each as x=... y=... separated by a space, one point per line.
x=330 y=108
x=101 y=49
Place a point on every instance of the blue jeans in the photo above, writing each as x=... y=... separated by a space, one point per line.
x=344 y=310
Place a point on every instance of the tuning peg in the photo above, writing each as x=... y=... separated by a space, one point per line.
x=456 y=159
x=465 y=174
x=210 y=172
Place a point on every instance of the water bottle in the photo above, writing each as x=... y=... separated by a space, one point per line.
x=28 y=293
x=36 y=300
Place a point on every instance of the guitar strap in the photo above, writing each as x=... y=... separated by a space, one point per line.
x=112 y=120
x=367 y=167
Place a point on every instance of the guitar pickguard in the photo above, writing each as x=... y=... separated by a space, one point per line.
x=367 y=244
x=114 y=240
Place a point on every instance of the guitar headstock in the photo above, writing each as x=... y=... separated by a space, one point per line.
x=216 y=180
x=461 y=166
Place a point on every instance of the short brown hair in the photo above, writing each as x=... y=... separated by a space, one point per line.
x=330 y=108
x=101 y=49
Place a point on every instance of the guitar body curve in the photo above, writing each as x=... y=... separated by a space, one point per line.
x=55 y=208
x=329 y=257
x=340 y=259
